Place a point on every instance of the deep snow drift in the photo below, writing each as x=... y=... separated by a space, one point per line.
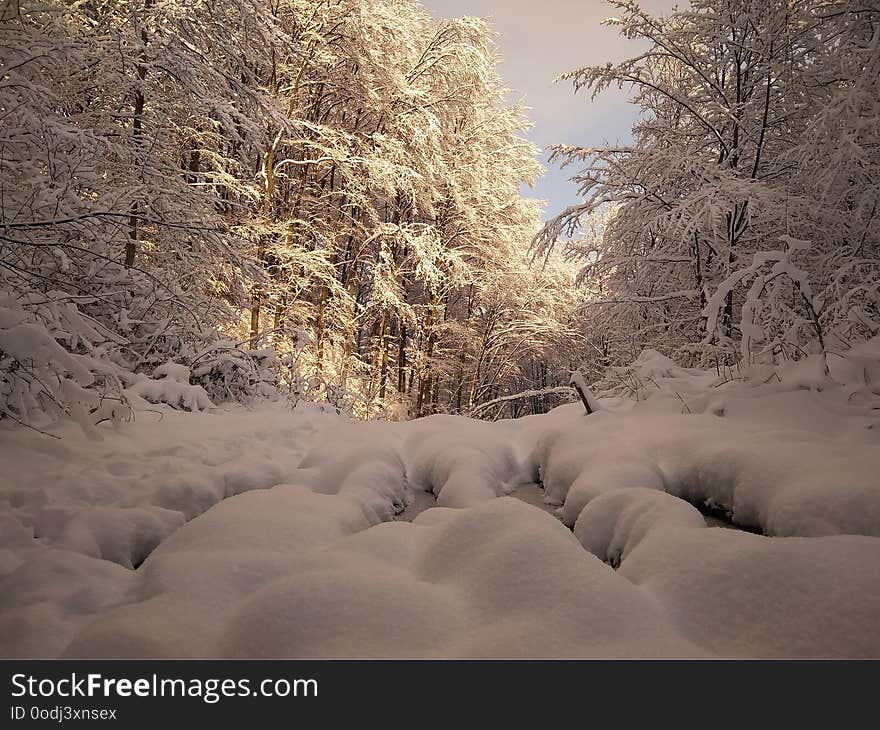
x=284 y=533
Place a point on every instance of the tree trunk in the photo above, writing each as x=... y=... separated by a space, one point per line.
x=401 y=359
x=137 y=131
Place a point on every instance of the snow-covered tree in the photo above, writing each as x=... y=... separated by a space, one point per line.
x=306 y=194
x=755 y=142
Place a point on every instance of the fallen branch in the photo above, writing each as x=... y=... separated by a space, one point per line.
x=562 y=390
x=591 y=405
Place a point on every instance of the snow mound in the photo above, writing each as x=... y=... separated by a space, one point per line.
x=753 y=461
x=613 y=524
x=118 y=498
x=462 y=461
x=272 y=574
x=361 y=461
x=743 y=595
x=46 y=599
x=121 y=535
x=290 y=573
x=191 y=586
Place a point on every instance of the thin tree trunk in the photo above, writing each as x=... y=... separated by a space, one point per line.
x=137 y=131
x=384 y=341
x=401 y=359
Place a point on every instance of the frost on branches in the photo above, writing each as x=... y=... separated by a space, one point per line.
x=740 y=227
x=296 y=197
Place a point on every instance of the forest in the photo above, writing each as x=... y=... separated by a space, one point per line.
x=313 y=198
x=322 y=199
x=294 y=364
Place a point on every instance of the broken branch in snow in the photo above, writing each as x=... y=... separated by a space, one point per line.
x=591 y=405
x=563 y=391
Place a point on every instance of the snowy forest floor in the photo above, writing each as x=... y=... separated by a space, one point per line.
x=299 y=533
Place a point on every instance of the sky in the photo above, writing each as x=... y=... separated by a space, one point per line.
x=541 y=39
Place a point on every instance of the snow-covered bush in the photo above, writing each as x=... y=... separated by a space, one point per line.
x=229 y=372
x=779 y=311
x=852 y=374
x=53 y=362
x=170 y=385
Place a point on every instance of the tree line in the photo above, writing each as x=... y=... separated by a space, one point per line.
x=314 y=197
x=740 y=226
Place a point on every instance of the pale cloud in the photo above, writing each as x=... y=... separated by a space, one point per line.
x=541 y=39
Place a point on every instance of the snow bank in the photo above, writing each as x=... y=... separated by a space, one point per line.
x=271 y=574
x=51 y=595
x=287 y=572
x=118 y=498
x=743 y=595
x=170 y=384
x=121 y=535
x=612 y=525
x=362 y=461
x=783 y=459
x=239 y=534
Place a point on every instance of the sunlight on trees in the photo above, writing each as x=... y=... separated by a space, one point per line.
x=308 y=196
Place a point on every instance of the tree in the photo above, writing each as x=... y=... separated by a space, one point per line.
x=729 y=168
x=217 y=181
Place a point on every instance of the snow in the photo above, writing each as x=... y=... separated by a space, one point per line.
x=320 y=585
x=29 y=343
x=780 y=457
x=119 y=497
x=299 y=533
x=360 y=461
x=462 y=461
x=170 y=384
x=613 y=524
x=743 y=595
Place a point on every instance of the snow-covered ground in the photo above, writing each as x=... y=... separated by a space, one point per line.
x=297 y=533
